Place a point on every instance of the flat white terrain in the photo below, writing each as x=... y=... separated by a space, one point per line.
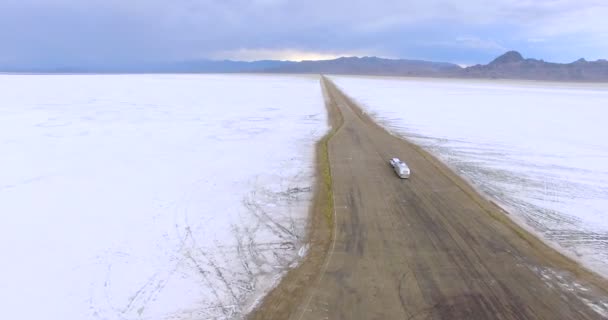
x=151 y=196
x=538 y=149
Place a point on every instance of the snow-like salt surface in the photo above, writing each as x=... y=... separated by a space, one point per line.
x=151 y=196
x=538 y=149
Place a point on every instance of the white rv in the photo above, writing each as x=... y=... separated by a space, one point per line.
x=402 y=170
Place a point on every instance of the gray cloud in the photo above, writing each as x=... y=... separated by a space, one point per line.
x=111 y=32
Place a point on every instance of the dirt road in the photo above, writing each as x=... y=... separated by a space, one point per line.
x=425 y=248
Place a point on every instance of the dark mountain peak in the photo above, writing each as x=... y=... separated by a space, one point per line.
x=581 y=60
x=509 y=57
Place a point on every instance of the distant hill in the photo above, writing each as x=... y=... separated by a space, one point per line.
x=512 y=65
x=369 y=66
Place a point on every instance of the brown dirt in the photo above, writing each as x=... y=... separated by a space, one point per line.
x=429 y=247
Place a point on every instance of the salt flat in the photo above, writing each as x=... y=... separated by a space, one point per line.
x=152 y=196
x=538 y=149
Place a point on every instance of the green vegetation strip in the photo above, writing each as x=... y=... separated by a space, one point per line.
x=327 y=179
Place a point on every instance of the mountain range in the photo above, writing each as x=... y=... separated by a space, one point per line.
x=511 y=65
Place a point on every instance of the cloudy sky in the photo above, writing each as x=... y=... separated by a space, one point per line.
x=122 y=32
